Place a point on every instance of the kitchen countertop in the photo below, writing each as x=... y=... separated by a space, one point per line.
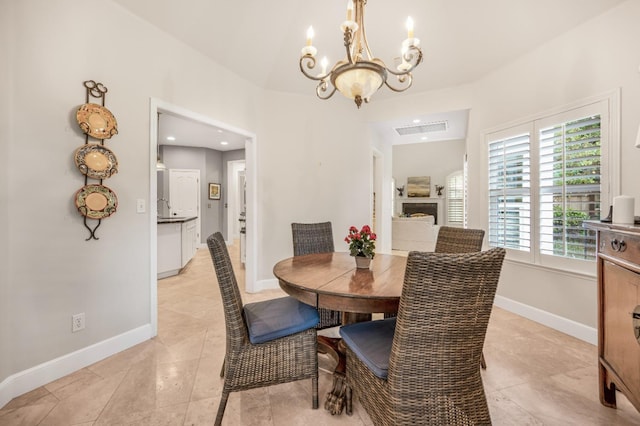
x=175 y=219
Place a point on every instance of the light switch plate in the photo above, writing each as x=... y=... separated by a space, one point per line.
x=140 y=205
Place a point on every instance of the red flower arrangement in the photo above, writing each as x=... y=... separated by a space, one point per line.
x=361 y=243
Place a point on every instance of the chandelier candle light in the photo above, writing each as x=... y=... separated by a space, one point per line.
x=360 y=75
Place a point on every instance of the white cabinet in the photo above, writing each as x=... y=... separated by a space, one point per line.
x=177 y=244
x=188 y=241
x=169 y=249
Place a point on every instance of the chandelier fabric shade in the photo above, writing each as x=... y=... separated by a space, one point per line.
x=360 y=75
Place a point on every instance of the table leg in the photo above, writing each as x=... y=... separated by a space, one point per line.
x=339 y=397
x=335 y=400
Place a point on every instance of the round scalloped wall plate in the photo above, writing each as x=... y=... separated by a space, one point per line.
x=96 y=201
x=96 y=161
x=96 y=121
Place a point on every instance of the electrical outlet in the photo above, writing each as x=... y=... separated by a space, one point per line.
x=77 y=322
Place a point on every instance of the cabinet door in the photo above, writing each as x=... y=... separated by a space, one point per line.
x=188 y=241
x=169 y=242
x=621 y=348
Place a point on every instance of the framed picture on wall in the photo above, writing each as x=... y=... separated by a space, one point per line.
x=214 y=191
x=419 y=186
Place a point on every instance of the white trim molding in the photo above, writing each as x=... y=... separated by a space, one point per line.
x=269 y=284
x=564 y=325
x=34 y=377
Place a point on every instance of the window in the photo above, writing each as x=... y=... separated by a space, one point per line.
x=510 y=192
x=455 y=199
x=545 y=177
x=569 y=187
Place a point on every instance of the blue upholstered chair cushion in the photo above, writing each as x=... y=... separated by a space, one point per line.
x=271 y=319
x=371 y=342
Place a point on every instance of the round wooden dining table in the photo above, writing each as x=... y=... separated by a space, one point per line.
x=332 y=281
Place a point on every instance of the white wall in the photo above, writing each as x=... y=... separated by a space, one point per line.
x=49 y=271
x=384 y=161
x=314 y=166
x=436 y=159
x=6 y=116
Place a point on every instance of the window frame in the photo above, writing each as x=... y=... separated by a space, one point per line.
x=607 y=106
x=503 y=134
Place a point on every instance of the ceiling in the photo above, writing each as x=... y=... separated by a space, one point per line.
x=462 y=40
x=186 y=132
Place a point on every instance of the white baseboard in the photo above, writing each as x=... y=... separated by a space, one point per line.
x=266 y=285
x=34 y=377
x=567 y=326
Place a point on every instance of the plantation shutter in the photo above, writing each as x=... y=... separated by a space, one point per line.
x=569 y=187
x=455 y=199
x=510 y=193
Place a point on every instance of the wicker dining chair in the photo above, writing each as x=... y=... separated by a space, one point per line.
x=309 y=238
x=460 y=240
x=421 y=368
x=269 y=342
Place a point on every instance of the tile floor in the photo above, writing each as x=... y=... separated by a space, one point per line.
x=535 y=375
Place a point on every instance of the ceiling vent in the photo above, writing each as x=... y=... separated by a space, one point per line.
x=436 y=126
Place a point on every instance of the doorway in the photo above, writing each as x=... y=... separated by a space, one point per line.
x=236 y=200
x=252 y=207
x=184 y=193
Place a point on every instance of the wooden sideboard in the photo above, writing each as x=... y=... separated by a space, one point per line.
x=618 y=311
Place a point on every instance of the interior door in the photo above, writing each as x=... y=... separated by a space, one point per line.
x=184 y=195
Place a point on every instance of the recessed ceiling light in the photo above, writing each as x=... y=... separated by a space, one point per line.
x=224 y=143
x=171 y=138
x=220 y=131
x=424 y=138
x=416 y=121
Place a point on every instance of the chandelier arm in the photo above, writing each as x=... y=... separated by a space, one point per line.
x=308 y=61
x=405 y=80
x=413 y=54
x=321 y=90
x=399 y=73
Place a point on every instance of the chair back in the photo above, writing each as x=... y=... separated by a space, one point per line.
x=311 y=238
x=231 y=299
x=459 y=240
x=442 y=321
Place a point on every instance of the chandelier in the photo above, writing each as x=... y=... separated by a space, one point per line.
x=359 y=75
